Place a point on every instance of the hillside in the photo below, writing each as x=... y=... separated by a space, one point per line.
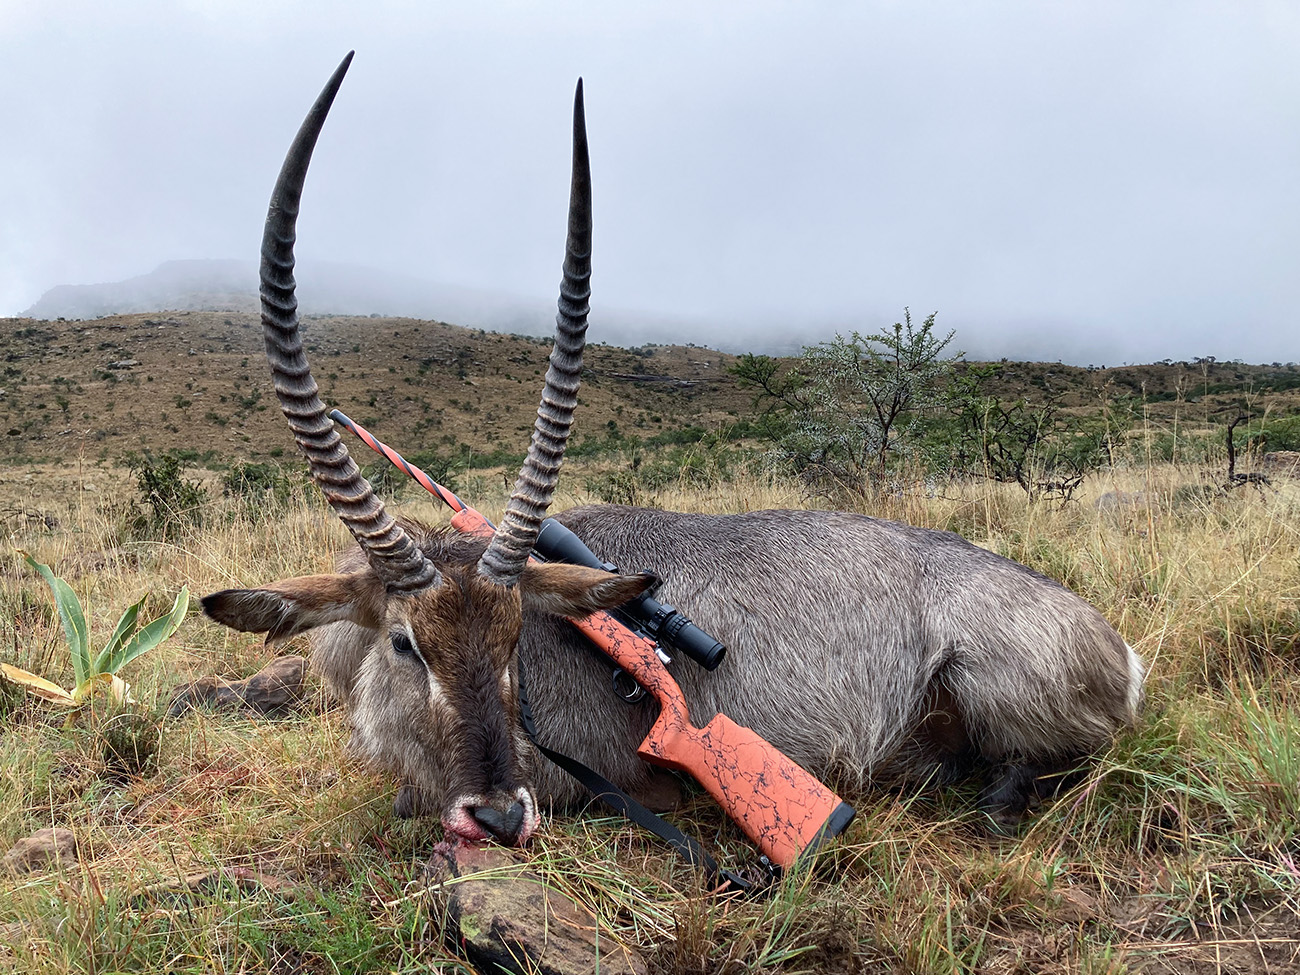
x=197 y=381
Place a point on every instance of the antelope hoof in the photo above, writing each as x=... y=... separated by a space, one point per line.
x=1008 y=797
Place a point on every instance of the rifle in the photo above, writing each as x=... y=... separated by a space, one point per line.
x=783 y=809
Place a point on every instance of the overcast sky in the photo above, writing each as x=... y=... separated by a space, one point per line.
x=1093 y=181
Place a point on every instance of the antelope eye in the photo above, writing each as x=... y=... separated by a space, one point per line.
x=402 y=644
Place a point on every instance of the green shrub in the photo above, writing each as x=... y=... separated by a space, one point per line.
x=387 y=479
x=261 y=487
x=1278 y=433
x=617 y=487
x=167 y=502
x=853 y=407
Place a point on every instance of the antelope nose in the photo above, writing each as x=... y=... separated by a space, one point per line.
x=504 y=827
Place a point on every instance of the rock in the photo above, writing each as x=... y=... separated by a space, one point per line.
x=124 y=364
x=35 y=852
x=507 y=919
x=1078 y=905
x=278 y=689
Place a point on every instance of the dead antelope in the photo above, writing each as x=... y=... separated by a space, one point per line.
x=866 y=650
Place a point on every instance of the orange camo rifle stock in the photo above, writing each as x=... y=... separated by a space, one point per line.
x=783 y=809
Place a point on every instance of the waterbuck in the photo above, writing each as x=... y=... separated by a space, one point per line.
x=864 y=649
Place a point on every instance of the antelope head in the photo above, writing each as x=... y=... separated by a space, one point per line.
x=437 y=696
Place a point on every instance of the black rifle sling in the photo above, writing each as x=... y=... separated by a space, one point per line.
x=622 y=803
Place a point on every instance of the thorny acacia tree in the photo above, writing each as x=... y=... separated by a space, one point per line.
x=852 y=403
x=1040 y=446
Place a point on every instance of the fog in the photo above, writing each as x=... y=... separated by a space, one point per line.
x=1087 y=181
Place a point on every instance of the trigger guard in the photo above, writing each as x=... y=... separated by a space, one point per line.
x=625 y=687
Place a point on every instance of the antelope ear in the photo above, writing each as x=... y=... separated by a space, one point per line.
x=292 y=606
x=576 y=590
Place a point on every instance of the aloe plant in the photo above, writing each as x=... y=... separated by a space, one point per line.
x=129 y=640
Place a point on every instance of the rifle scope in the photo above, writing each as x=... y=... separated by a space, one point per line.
x=663 y=622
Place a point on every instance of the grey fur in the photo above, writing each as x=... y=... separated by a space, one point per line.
x=843 y=630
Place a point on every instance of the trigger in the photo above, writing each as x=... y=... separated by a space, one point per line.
x=627 y=688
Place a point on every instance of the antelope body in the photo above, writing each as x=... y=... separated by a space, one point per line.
x=863 y=649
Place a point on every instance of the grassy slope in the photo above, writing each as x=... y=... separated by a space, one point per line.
x=1178 y=853
x=201 y=385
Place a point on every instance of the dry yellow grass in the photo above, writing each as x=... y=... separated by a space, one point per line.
x=1178 y=853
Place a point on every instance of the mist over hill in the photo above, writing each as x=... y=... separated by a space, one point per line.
x=335 y=288
x=325 y=288
x=330 y=288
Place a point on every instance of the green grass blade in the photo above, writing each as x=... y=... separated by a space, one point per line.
x=74 y=620
x=153 y=633
x=125 y=627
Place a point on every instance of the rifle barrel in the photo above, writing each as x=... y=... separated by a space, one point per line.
x=443 y=494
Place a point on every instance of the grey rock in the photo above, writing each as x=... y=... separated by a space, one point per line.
x=505 y=918
x=40 y=850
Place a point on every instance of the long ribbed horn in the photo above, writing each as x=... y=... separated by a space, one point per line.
x=504 y=560
x=392 y=554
